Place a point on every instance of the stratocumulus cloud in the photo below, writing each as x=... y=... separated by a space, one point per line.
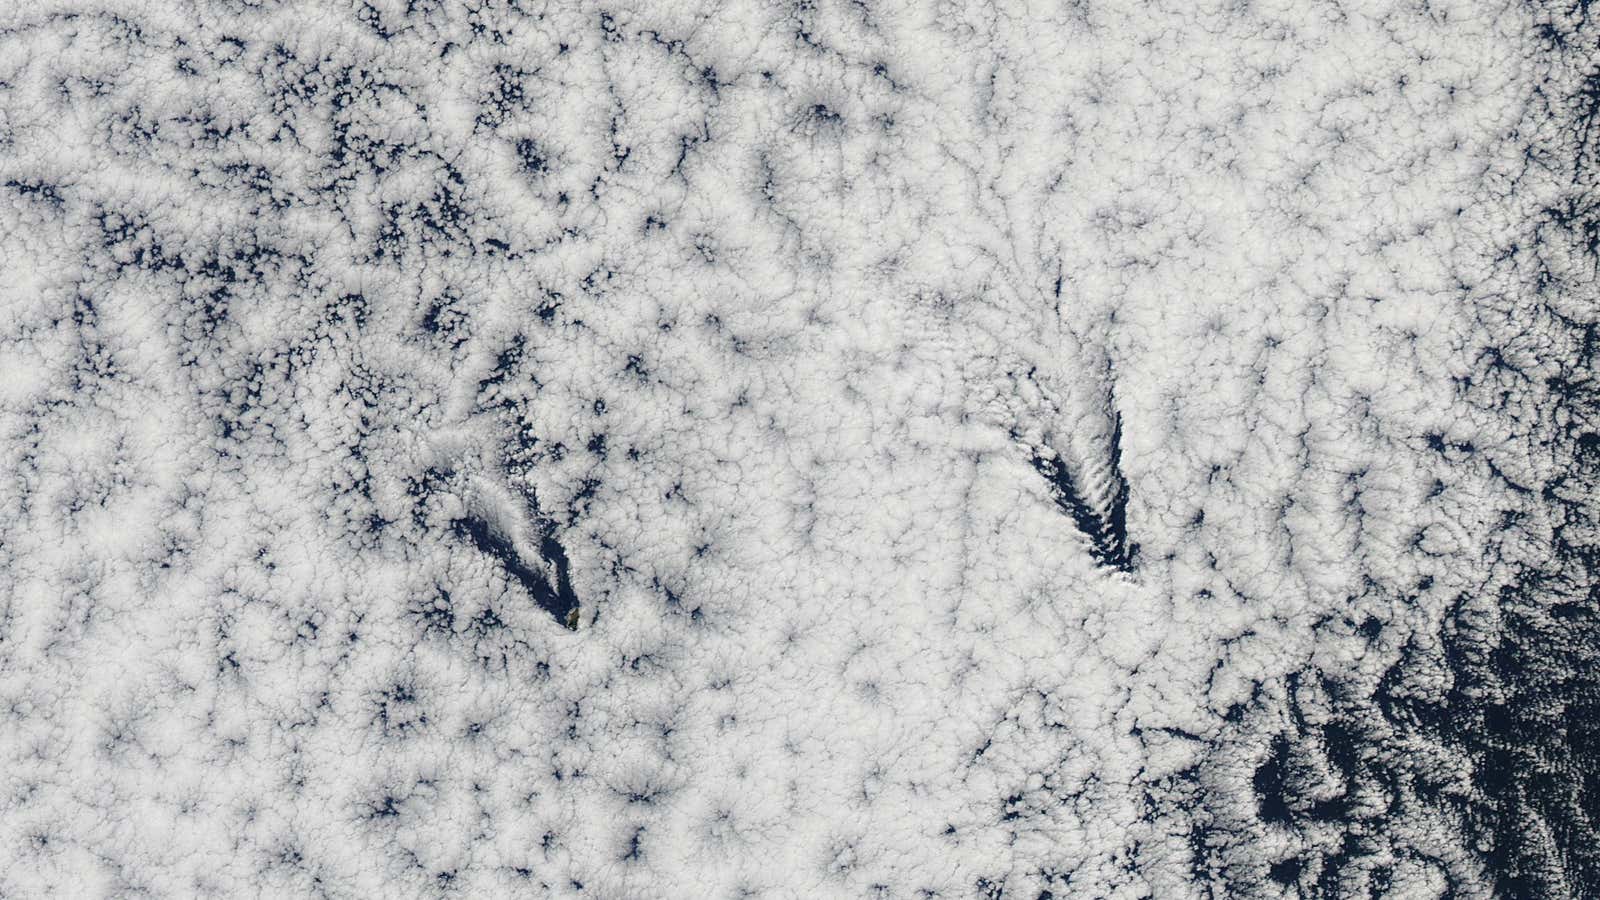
x=830 y=448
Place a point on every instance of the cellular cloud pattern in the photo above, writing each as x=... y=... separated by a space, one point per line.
x=799 y=448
